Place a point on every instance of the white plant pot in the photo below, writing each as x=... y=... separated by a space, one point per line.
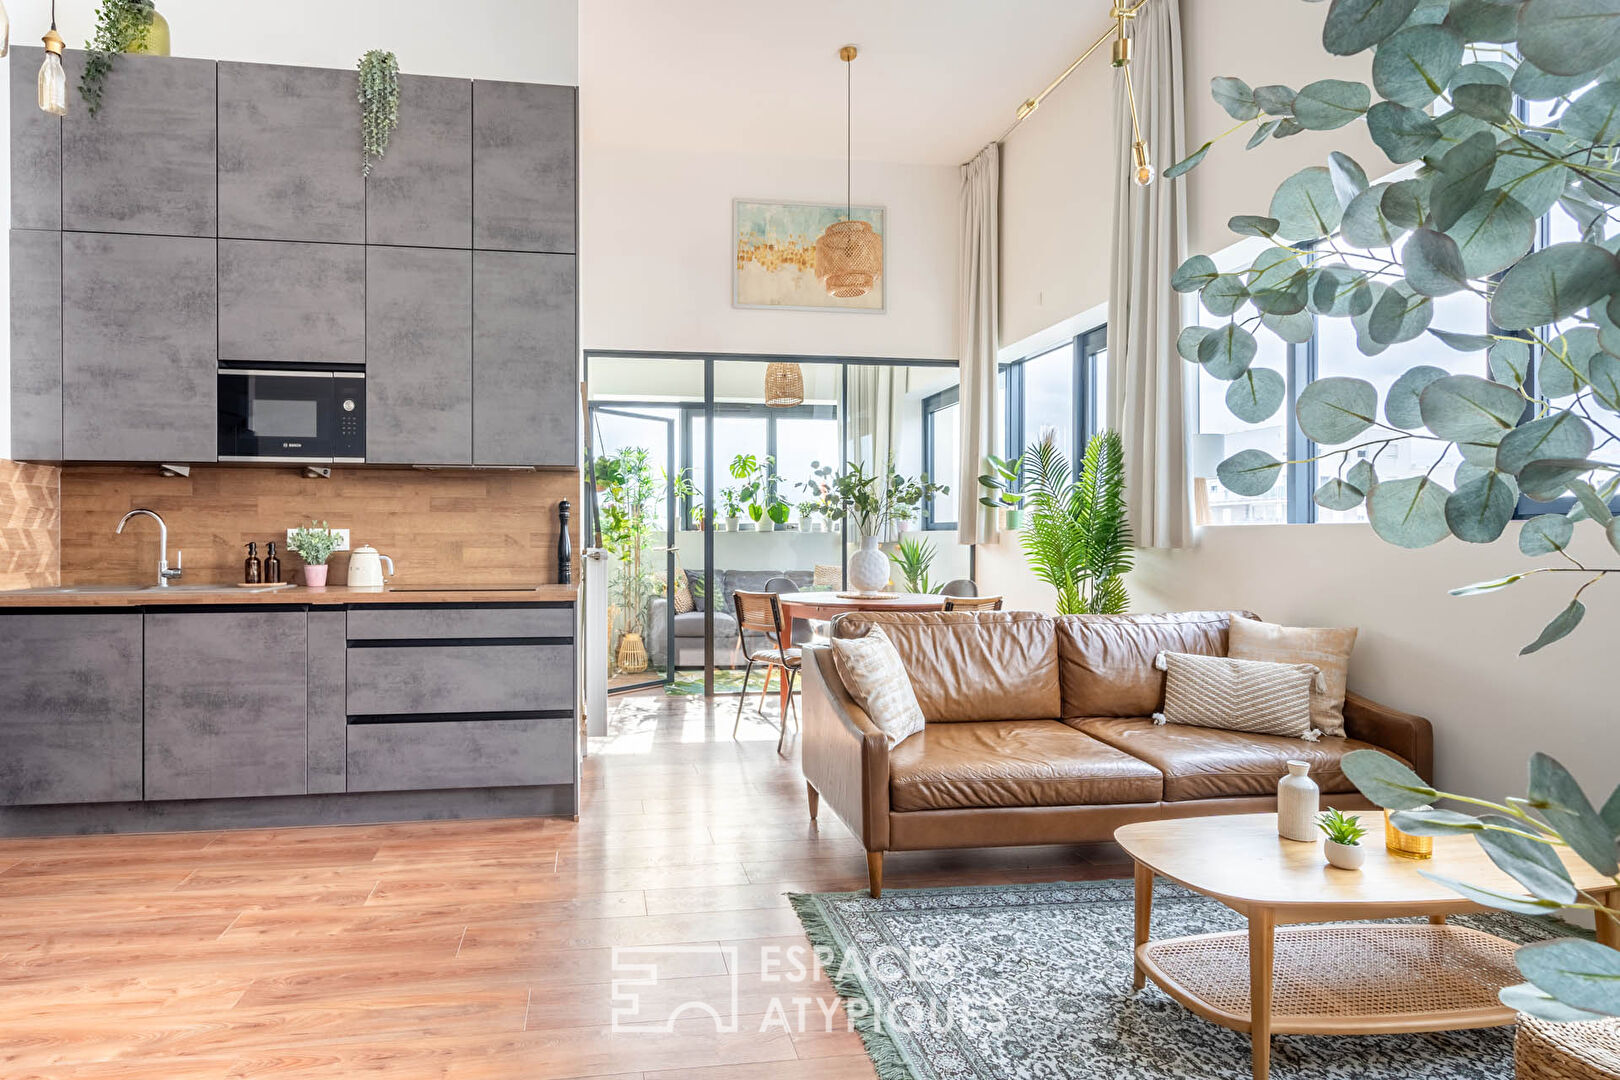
x=816 y=526
x=868 y=567
x=1345 y=856
x=1298 y=802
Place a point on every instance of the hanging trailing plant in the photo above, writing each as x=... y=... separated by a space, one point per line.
x=379 y=105
x=121 y=27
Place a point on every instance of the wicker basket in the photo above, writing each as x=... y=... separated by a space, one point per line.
x=1548 y=1051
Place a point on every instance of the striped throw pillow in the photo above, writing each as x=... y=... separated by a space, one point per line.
x=1239 y=695
x=872 y=672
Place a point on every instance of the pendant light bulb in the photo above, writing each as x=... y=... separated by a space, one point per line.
x=5 y=32
x=52 y=79
x=1144 y=172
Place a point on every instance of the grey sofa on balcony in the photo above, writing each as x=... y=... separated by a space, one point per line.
x=689 y=624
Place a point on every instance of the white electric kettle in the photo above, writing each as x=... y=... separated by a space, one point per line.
x=365 y=568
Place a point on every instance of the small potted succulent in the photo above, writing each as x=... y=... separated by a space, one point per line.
x=314 y=544
x=1344 y=833
x=810 y=519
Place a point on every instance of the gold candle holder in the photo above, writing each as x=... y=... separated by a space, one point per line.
x=1406 y=845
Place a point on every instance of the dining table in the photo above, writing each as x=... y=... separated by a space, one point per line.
x=823 y=606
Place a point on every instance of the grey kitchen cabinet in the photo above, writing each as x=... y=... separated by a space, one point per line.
x=412 y=680
x=139 y=341
x=389 y=623
x=147 y=161
x=524 y=166
x=420 y=193
x=419 y=403
x=289 y=154
x=525 y=359
x=227 y=703
x=292 y=302
x=328 y=718
x=36 y=345
x=460 y=754
x=36 y=147
x=70 y=707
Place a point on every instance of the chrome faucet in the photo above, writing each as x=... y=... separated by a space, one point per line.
x=164 y=573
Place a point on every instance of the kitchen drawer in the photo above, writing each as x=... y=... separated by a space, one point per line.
x=476 y=678
x=392 y=624
x=460 y=754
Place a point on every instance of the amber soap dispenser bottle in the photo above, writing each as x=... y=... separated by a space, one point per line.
x=252 y=573
x=272 y=565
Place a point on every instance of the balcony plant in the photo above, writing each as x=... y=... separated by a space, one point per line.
x=818 y=487
x=1076 y=537
x=731 y=507
x=878 y=507
x=629 y=501
x=1000 y=482
x=1540 y=417
x=1567 y=979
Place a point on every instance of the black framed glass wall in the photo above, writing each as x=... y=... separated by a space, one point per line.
x=1063 y=387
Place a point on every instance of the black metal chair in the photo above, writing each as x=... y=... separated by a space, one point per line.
x=762 y=613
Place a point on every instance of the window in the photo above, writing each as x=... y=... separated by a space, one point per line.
x=793 y=437
x=942 y=428
x=1064 y=388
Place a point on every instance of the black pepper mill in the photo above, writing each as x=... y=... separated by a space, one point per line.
x=565 y=550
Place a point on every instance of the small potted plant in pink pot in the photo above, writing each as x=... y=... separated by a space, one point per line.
x=314 y=544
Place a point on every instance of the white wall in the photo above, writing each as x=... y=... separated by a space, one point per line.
x=1451 y=659
x=520 y=40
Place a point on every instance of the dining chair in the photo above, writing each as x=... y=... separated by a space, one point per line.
x=960 y=587
x=761 y=612
x=972 y=603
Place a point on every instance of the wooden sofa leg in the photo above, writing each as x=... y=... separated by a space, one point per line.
x=814 y=797
x=874 y=872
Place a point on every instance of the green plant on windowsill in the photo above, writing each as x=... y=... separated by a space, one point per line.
x=778 y=511
x=1000 y=479
x=914 y=558
x=731 y=506
x=1341 y=828
x=314 y=543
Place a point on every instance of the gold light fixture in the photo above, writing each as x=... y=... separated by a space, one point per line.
x=1142 y=171
x=849 y=255
x=52 y=79
x=5 y=31
x=784 y=385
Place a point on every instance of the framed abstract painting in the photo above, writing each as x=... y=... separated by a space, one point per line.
x=775 y=264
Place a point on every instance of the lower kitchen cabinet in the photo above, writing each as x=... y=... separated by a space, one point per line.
x=432 y=754
x=70 y=708
x=227 y=704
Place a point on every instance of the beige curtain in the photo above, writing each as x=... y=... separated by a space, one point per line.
x=977 y=339
x=1151 y=403
x=876 y=394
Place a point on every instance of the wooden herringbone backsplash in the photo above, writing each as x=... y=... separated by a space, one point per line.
x=30 y=525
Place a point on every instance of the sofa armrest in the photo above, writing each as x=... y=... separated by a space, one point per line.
x=1412 y=737
x=844 y=756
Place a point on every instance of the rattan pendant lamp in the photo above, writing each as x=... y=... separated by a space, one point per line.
x=849 y=255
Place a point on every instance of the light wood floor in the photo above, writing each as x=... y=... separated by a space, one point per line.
x=465 y=950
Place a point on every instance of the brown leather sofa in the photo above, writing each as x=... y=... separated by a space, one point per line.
x=1039 y=732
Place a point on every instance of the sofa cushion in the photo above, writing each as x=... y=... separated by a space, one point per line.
x=972 y=665
x=1013 y=763
x=1208 y=763
x=1105 y=662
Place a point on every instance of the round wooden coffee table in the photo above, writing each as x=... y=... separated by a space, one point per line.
x=1356 y=979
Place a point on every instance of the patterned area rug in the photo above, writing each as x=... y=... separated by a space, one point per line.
x=1034 y=981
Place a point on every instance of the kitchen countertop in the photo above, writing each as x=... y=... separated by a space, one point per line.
x=330 y=596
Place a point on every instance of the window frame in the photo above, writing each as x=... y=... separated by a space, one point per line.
x=1090 y=413
x=932 y=406
x=744 y=410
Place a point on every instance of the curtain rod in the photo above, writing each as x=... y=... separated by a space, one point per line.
x=1031 y=104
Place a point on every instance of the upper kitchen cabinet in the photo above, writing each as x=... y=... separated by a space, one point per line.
x=523 y=167
x=289 y=154
x=36 y=345
x=36 y=148
x=525 y=366
x=147 y=161
x=421 y=193
x=288 y=302
x=419 y=356
x=139 y=335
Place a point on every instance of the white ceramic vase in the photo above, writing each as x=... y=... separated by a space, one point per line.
x=868 y=567
x=1298 y=802
x=1345 y=856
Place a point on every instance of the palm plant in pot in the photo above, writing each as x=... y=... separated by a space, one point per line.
x=1076 y=536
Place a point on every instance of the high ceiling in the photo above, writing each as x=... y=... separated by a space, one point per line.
x=935 y=80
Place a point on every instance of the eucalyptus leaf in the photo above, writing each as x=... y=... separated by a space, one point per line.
x=1552 y=284
x=1349 y=178
x=1194 y=274
x=1496 y=232
x=1534 y=84
x=1612 y=533
x=1562 y=625
x=1253 y=225
x=1406 y=202
x=1401 y=402
x=1568 y=367
x=1187 y=341
x=1402 y=133
x=1256 y=395
x=1569 y=37
x=1530 y=177
x=1413 y=66
x=1484 y=20
x=1479 y=511
x=1330 y=103
x=1550 y=479
x=1461 y=178
x=1482 y=72
x=1554 y=794
x=1306 y=206
x=1428 y=821
x=1529 y=862
x=1364 y=223
x=1546 y=534
x=1526 y=998
x=1399 y=315
x=1581 y=974
x=1604 y=374
x=1560 y=435
x=1592 y=504
x=1385 y=781
x=1484 y=101
x=1410 y=512
x=1594 y=117
x=1224 y=295
x=1433 y=264
x=1273 y=268
x=1491 y=898
x=1227 y=352
x=1235 y=96
x=1465 y=343
x=1335 y=410
x=1262 y=133
x=1479 y=587
x=1467 y=471
x=1363 y=476
x=1509 y=361
x=1288 y=126
x=1468 y=408
x=1275 y=100
x=1610 y=812
x=1188 y=163
x=1338 y=495
x=1367 y=343
x=1354 y=25
x=1249 y=472
x=1296 y=328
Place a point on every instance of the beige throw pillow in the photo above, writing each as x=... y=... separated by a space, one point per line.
x=872 y=672
x=683 y=593
x=1238 y=695
x=1326 y=647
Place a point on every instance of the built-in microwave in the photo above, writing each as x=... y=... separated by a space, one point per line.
x=292 y=416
